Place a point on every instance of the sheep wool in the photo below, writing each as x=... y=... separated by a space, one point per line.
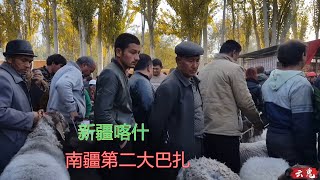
x=206 y=169
x=255 y=149
x=41 y=156
x=265 y=168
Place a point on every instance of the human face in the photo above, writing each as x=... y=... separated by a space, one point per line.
x=188 y=65
x=56 y=67
x=37 y=75
x=87 y=69
x=129 y=57
x=22 y=64
x=156 y=70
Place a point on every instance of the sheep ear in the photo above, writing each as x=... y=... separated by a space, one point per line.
x=60 y=130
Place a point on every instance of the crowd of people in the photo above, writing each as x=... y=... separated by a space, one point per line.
x=198 y=112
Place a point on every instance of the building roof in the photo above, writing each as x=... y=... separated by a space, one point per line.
x=271 y=51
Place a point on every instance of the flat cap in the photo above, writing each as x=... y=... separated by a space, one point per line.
x=188 y=49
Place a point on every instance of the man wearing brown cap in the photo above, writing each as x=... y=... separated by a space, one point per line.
x=16 y=116
x=176 y=121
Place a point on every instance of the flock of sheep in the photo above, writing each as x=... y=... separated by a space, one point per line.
x=42 y=158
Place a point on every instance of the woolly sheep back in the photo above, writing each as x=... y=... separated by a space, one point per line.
x=265 y=168
x=206 y=169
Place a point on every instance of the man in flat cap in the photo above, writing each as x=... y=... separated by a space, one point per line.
x=16 y=116
x=176 y=121
x=224 y=90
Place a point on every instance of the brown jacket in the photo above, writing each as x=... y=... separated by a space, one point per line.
x=224 y=92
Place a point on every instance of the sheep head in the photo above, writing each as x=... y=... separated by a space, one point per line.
x=57 y=121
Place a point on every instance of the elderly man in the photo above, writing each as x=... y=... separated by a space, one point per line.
x=16 y=116
x=224 y=91
x=176 y=120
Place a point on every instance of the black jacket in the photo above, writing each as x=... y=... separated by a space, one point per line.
x=113 y=103
x=171 y=122
x=255 y=91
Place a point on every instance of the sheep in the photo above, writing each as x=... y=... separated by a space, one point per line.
x=206 y=169
x=255 y=149
x=265 y=168
x=41 y=156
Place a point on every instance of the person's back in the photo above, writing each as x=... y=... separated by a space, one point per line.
x=287 y=98
x=217 y=90
x=254 y=88
x=224 y=92
x=68 y=77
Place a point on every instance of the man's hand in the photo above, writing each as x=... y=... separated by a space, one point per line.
x=37 y=116
x=258 y=128
x=73 y=115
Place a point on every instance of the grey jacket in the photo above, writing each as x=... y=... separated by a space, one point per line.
x=16 y=117
x=67 y=91
x=113 y=103
x=172 y=117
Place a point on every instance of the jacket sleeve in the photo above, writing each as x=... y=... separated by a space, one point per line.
x=11 y=118
x=106 y=91
x=302 y=114
x=163 y=105
x=146 y=95
x=64 y=86
x=88 y=103
x=242 y=96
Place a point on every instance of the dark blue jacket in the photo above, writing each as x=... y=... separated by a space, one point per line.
x=142 y=95
x=287 y=99
x=255 y=91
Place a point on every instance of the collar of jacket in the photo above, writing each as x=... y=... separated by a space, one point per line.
x=224 y=56
x=185 y=81
x=75 y=65
x=142 y=75
x=119 y=65
x=252 y=80
x=17 y=77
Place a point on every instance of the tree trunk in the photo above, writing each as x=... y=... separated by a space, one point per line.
x=233 y=20
x=295 y=19
x=223 y=29
x=287 y=23
x=151 y=28
x=205 y=44
x=143 y=27
x=55 y=26
x=274 y=23
x=46 y=24
x=99 y=42
x=83 y=44
x=266 y=24
x=16 y=18
x=255 y=26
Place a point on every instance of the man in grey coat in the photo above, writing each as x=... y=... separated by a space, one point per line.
x=176 y=122
x=16 y=116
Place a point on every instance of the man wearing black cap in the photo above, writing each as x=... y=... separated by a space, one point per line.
x=176 y=122
x=16 y=116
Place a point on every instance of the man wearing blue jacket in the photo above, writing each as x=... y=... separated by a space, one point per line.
x=287 y=96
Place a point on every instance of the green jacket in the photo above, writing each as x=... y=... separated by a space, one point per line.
x=88 y=104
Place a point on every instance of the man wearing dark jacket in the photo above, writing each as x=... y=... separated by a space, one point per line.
x=16 y=116
x=54 y=63
x=176 y=122
x=113 y=103
x=142 y=95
